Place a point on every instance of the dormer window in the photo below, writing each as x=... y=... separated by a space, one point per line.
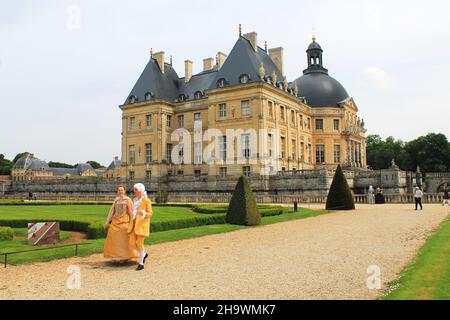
x=221 y=83
x=149 y=96
x=181 y=98
x=198 y=95
x=132 y=99
x=244 y=78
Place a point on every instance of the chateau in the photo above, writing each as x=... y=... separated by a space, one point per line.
x=240 y=115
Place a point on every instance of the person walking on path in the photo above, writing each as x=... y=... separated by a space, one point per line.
x=371 y=195
x=446 y=196
x=418 y=195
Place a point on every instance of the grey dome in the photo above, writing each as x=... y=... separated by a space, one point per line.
x=314 y=46
x=321 y=90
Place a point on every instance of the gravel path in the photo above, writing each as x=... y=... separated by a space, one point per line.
x=324 y=257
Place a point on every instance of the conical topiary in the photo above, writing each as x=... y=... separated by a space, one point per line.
x=340 y=196
x=242 y=209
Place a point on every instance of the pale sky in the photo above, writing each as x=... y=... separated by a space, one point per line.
x=63 y=78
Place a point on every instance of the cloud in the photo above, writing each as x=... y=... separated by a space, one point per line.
x=379 y=78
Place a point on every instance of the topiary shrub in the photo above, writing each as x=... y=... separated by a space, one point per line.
x=161 y=197
x=340 y=196
x=242 y=209
x=6 y=233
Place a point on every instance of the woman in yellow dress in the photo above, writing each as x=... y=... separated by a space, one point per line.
x=140 y=229
x=120 y=218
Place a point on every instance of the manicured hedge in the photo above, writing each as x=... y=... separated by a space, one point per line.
x=187 y=223
x=264 y=210
x=6 y=233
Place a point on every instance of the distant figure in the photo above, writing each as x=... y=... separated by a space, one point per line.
x=379 y=197
x=34 y=196
x=371 y=195
x=30 y=196
x=446 y=196
x=418 y=195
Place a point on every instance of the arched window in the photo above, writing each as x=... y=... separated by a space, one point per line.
x=149 y=96
x=221 y=83
x=198 y=95
x=244 y=78
x=132 y=99
x=181 y=98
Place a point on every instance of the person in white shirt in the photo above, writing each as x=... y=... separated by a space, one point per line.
x=418 y=194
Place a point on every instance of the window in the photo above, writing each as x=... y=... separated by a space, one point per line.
x=149 y=96
x=246 y=171
x=223 y=172
x=337 y=153
x=181 y=121
x=132 y=99
x=245 y=140
x=309 y=123
x=301 y=121
x=283 y=147
x=282 y=115
x=198 y=95
x=222 y=110
x=309 y=153
x=148 y=120
x=293 y=117
x=221 y=83
x=197 y=116
x=223 y=148
x=245 y=105
x=320 y=153
x=131 y=175
x=148 y=175
x=180 y=172
x=148 y=153
x=169 y=121
x=244 y=78
x=271 y=109
x=169 y=153
x=294 y=149
x=181 y=153
x=336 y=124
x=181 y=98
x=302 y=151
x=132 y=123
x=319 y=124
x=270 y=145
x=132 y=154
x=197 y=153
x=197 y=173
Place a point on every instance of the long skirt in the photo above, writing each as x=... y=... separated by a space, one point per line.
x=117 y=243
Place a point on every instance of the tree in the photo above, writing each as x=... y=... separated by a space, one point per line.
x=53 y=164
x=340 y=196
x=20 y=155
x=430 y=152
x=242 y=209
x=5 y=166
x=95 y=165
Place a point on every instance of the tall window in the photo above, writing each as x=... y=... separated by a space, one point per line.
x=197 y=121
x=169 y=121
x=197 y=116
x=320 y=153
x=309 y=123
x=132 y=123
x=245 y=108
x=336 y=124
x=319 y=124
x=294 y=149
x=181 y=153
x=223 y=172
x=309 y=153
x=337 y=153
x=245 y=140
x=148 y=120
x=181 y=121
x=301 y=121
x=222 y=110
x=148 y=153
x=132 y=154
x=169 y=153
x=131 y=175
x=282 y=115
x=283 y=147
x=223 y=148
x=270 y=145
x=197 y=153
x=293 y=117
x=302 y=151
x=246 y=171
x=271 y=109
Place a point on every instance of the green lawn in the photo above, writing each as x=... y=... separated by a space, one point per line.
x=94 y=213
x=428 y=276
x=96 y=246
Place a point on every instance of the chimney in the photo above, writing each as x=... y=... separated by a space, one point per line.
x=253 y=38
x=276 y=54
x=208 y=64
x=187 y=70
x=159 y=57
x=221 y=57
